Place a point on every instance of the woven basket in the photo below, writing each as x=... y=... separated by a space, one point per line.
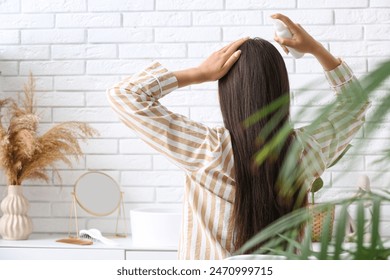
x=318 y=220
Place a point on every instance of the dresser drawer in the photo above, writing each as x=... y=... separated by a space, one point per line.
x=60 y=254
x=151 y=255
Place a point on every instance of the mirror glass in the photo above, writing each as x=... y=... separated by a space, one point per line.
x=97 y=193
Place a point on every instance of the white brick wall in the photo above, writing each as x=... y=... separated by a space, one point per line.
x=77 y=48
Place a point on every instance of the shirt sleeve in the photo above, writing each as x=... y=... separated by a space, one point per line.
x=324 y=142
x=186 y=143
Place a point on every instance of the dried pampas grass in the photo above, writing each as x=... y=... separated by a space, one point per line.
x=25 y=155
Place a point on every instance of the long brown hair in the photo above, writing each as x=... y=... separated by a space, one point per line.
x=258 y=78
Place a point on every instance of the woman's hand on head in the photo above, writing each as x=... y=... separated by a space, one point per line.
x=213 y=68
x=220 y=62
x=300 y=41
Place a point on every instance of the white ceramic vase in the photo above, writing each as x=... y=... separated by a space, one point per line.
x=15 y=224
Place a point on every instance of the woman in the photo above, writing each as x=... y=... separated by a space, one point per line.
x=227 y=200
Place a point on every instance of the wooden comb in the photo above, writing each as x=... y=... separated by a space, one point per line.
x=76 y=241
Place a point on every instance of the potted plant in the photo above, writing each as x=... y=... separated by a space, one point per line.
x=287 y=229
x=25 y=155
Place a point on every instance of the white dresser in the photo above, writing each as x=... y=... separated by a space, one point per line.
x=45 y=247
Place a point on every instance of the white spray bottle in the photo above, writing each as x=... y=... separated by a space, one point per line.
x=283 y=32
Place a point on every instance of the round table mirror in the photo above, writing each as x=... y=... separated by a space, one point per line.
x=97 y=193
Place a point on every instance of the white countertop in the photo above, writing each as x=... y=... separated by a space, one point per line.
x=49 y=241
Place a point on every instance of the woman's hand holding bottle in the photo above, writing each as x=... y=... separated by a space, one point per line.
x=303 y=42
x=300 y=41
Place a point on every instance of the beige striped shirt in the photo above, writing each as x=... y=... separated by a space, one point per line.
x=206 y=156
